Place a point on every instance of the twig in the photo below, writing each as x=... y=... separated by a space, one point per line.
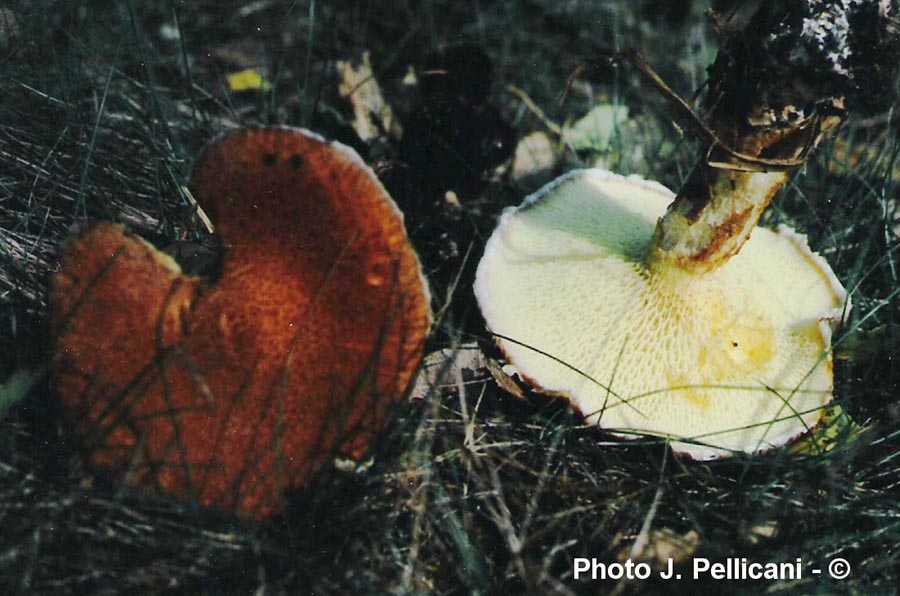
x=688 y=117
x=536 y=110
x=644 y=536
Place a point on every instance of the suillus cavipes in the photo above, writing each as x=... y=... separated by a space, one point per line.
x=230 y=392
x=676 y=315
x=733 y=358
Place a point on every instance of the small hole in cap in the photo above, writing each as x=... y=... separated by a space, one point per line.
x=296 y=161
x=269 y=159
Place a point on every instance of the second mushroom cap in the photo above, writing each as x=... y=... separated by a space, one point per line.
x=230 y=392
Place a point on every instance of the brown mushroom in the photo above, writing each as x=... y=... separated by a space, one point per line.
x=230 y=392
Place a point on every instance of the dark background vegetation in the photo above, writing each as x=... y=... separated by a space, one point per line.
x=103 y=106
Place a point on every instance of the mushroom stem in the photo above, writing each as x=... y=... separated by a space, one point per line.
x=728 y=190
x=781 y=82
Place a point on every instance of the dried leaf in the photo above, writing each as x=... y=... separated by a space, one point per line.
x=534 y=154
x=247 y=80
x=664 y=545
x=372 y=116
x=442 y=369
x=596 y=129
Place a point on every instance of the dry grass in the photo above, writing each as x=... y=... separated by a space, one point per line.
x=103 y=106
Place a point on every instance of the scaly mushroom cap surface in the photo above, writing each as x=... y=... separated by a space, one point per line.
x=734 y=359
x=230 y=393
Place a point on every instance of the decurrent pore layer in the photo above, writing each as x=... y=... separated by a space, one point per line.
x=734 y=359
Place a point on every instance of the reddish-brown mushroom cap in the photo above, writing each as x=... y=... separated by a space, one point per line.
x=230 y=393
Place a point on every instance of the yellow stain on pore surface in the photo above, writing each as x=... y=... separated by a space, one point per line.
x=683 y=387
x=736 y=340
x=752 y=347
x=738 y=337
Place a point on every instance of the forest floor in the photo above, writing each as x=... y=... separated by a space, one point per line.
x=103 y=106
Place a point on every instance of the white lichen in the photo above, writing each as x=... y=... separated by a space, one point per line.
x=828 y=28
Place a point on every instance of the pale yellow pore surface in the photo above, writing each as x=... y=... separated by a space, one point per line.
x=734 y=359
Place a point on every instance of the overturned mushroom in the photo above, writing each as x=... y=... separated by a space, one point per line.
x=230 y=392
x=734 y=359
x=675 y=315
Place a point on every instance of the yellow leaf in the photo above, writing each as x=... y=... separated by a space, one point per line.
x=835 y=428
x=247 y=80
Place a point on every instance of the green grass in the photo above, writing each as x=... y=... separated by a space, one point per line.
x=104 y=105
